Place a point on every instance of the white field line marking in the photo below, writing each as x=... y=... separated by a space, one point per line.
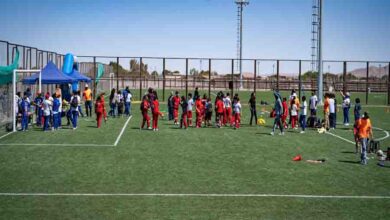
x=6 y=135
x=344 y=139
x=382 y=138
x=191 y=195
x=123 y=129
x=70 y=145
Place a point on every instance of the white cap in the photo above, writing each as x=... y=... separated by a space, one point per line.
x=86 y=85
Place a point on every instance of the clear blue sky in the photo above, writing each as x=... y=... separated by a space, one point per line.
x=353 y=29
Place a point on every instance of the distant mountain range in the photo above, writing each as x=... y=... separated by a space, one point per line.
x=373 y=72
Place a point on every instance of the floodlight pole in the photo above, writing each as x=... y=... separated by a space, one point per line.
x=320 y=64
x=240 y=4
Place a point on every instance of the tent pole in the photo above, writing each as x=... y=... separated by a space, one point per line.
x=14 y=100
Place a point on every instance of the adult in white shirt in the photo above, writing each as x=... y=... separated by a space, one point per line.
x=313 y=104
x=227 y=103
x=302 y=116
x=332 y=111
x=346 y=106
x=190 y=105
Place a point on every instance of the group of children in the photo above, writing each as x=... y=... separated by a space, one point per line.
x=50 y=108
x=227 y=111
x=120 y=102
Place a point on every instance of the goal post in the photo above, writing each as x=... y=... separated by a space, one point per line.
x=16 y=71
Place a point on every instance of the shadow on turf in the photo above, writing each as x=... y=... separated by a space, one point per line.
x=349 y=161
x=348 y=152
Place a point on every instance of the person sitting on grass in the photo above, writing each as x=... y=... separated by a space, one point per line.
x=100 y=110
x=365 y=133
x=184 y=114
x=278 y=114
x=144 y=110
x=237 y=113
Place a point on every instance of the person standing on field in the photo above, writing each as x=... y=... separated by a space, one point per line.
x=252 y=106
x=176 y=104
x=170 y=107
x=313 y=104
x=365 y=133
x=100 y=111
x=326 y=111
x=190 y=103
x=278 y=114
x=346 y=105
x=303 y=113
x=87 y=95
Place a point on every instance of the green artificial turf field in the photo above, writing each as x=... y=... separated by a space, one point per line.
x=205 y=173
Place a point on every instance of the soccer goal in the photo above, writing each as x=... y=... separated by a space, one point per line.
x=15 y=101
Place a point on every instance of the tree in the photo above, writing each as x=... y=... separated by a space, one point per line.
x=154 y=73
x=194 y=72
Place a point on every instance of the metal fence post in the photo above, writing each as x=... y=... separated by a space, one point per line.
x=117 y=74
x=388 y=84
x=186 y=77
x=232 y=78
x=367 y=77
x=277 y=75
x=209 y=77
x=7 y=53
x=163 y=75
x=254 y=76
x=345 y=77
x=140 y=78
x=94 y=77
x=300 y=79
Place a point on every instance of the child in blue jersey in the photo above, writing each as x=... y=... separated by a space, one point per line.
x=56 y=112
x=357 y=109
x=25 y=109
x=38 y=109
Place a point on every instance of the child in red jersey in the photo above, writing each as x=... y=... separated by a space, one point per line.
x=184 y=114
x=145 y=105
x=228 y=109
x=199 y=112
x=220 y=108
x=155 y=113
x=100 y=111
x=176 y=104
x=285 y=113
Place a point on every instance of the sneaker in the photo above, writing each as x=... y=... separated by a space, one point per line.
x=282 y=133
x=149 y=128
x=302 y=132
x=272 y=133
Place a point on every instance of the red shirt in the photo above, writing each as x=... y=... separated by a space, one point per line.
x=99 y=106
x=176 y=102
x=219 y=106
x=285 y=108
x=199 y=106
x=156 y=105
x=146 y=105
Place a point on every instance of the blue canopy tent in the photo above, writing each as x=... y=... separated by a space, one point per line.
x=79 y=77
x=50 y=75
